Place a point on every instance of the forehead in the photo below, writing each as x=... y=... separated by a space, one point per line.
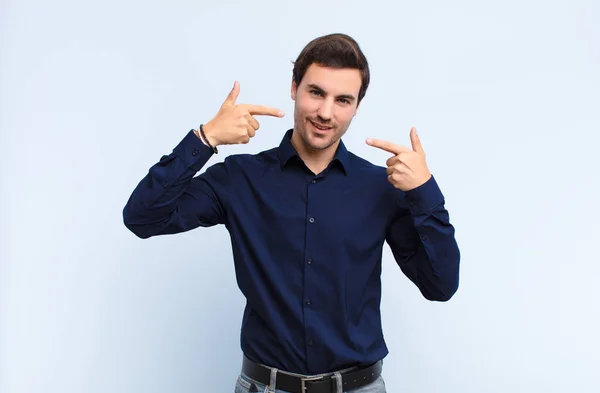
x=333 y=80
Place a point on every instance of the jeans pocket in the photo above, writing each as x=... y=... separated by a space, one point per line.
x=377 y=386
x=245 y=384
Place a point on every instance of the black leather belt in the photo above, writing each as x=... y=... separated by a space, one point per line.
x=352 y=379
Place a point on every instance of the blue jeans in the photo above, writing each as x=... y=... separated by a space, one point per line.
x=244 y=382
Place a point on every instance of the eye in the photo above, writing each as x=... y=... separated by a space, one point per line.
x=344 y=101
x=316 y=93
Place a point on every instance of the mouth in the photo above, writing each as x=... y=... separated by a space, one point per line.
x=320 y=127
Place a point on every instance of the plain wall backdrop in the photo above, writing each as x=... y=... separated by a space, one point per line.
x=506 y=99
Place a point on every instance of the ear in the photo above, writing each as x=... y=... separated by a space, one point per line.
x=294 y=89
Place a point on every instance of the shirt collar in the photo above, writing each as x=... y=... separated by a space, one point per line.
x=287 y=152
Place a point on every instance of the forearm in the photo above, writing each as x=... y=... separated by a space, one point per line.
x=436 y=262
x=424 y=243
x=153 y=205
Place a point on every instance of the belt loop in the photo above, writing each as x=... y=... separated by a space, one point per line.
x=273 y=381
x=338 y=378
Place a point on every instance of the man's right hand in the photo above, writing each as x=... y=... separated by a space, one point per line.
x=235 y=123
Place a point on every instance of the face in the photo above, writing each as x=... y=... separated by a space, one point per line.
x=326 y=101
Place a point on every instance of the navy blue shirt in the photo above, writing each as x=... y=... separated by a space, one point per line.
x=307 y=248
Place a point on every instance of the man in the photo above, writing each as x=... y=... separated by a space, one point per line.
x=308 y=221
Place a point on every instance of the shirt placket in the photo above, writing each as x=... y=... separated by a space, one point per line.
x=311 y=262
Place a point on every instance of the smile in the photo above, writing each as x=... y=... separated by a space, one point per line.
x=320 y=127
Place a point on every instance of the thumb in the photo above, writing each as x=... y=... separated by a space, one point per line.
x=233 y=95
x=415 y=141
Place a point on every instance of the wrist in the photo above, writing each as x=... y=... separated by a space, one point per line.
x=209 y=135
x=207 y=142
x=197 y=133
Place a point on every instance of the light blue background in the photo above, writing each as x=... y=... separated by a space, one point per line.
x=506 y=98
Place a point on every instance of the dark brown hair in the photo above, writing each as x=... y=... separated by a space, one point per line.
x=333 y=50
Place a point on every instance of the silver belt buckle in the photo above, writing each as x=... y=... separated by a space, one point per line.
x=304 y=380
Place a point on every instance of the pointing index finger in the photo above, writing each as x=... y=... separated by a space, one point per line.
x=387 y=146
x=264 y=110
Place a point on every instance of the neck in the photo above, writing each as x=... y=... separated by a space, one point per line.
x=315 y=159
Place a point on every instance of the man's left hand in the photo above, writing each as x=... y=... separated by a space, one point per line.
x=407 y=169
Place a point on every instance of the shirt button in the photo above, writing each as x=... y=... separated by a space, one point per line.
x=314 y=181
x=311 y=220
x=308 y=302
x=195 y=153
x=166 y=184
x=424 y=237
x=310 y=343
x=309 y=261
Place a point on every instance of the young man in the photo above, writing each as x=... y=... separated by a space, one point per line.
x=308 y=221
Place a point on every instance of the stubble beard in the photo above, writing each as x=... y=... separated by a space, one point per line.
x=307 y=141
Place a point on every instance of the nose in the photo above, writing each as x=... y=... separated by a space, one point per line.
x=325 y=111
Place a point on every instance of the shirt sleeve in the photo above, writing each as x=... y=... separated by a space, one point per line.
x=423 y=243
x=169 y=199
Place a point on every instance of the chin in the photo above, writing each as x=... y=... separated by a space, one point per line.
x=319 y=142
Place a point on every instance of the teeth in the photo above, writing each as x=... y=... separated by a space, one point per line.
x=321 y=128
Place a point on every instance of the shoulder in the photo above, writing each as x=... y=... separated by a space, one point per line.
x=365 y=168
x=252 y=162
x=374 y=177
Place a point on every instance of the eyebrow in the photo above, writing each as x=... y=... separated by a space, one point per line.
x=346 y=96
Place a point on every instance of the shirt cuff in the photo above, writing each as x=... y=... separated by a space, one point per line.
x=193 y=151
x=425 y=198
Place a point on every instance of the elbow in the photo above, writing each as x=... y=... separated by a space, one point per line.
x=443 y=296
x=443 y=293
x=138 y=233
x=136 y=229
x=439 y=296
x=447 y=282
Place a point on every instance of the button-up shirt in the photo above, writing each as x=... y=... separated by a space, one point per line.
x=307 y=248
